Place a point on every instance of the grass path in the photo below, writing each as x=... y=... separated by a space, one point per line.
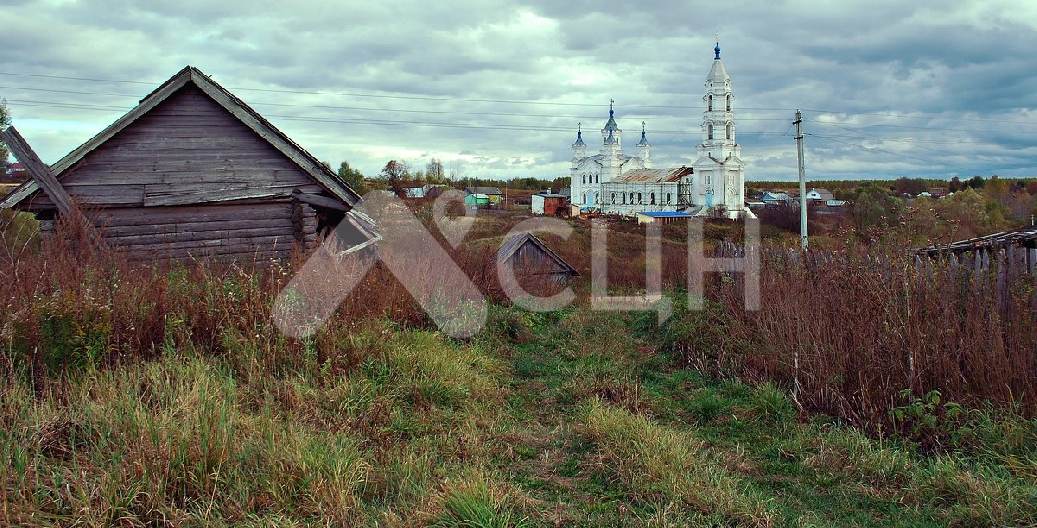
x=605 y=434
x=567 y=419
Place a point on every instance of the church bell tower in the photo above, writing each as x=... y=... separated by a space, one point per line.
x=718 y=183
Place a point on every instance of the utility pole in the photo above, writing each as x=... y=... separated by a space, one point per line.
x=802 y=181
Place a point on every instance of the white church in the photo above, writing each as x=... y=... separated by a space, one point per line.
x=714 y=185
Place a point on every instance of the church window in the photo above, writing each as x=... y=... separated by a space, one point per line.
x=709 y=104
x=613 y=197
x=709 y=131
x=728 y=103
x=651 y=198
x=584 y=198
x=640 y=199
x=668 y=197
x=631 y=198
x=729 y=131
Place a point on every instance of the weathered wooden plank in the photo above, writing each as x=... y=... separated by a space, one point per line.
x=193 y=227
x=320 y=201
x=100 y=195
x=190 y=236
x=227 y=195
x=190 y=213
x=38 y=170
x=174 y=179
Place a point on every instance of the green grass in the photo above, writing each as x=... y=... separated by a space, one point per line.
x=566 y=419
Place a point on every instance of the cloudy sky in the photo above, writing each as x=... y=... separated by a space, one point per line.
x=496 y=89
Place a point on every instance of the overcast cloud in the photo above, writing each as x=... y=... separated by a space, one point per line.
x=889 y=88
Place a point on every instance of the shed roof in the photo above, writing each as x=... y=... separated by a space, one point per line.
x=1026 y=236
x=512 y=245
x=235 y=106
x=483 y=190
x=655 y=175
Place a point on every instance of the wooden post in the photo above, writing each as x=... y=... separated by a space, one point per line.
x=39 y=171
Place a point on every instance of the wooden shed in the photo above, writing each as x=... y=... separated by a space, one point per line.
x=530 y=257
x=193 y=171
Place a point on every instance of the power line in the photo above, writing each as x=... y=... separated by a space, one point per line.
x=395 y=110
x=872 y=149
x=922 y=115
x=887 y=114
x=372 y=121
x=385 y=96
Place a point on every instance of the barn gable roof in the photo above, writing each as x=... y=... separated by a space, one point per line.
x=512 y=245
x=235 y=106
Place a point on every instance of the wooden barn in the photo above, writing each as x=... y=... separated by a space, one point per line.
x=191 y=172
x=530 y=258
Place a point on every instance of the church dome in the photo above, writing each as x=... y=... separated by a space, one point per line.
x=610 y=125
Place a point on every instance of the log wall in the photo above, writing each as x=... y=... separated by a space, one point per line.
x=222 y=231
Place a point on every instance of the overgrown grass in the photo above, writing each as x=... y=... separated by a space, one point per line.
x=165 y=396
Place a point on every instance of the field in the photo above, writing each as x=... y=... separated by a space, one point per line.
x=166 y=396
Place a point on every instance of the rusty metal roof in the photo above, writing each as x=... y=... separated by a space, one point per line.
x=655 y=175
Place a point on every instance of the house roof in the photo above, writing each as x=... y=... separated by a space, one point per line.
x=483 y=190
x=825 y=193
x=512 y=245
x=235 y=106
x=655 y=175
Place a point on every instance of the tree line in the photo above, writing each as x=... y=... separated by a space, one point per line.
x=396 y=175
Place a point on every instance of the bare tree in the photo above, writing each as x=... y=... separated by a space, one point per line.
x=434 y=171
x=395 y=172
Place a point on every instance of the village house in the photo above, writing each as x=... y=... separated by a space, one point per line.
x=15 y=173
x=476 y=200
x=493 y=194
x=775 y=198
x=192 y=171
x=818 y=194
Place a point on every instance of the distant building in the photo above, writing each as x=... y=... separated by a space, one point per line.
x=493 y=194
x=414 y=190
x=614 y=182
x=662 y=217
x=775 y=198
x=820 y=194
x=476 y=200
x=530 y=257
x=549 y=204
x=15 y=173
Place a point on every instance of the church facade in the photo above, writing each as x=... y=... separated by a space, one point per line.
x=613 y=182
